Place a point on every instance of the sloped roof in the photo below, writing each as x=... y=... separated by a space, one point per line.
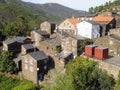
x=41 y=32
x=20 y=39
x=88 y=15
x=102 y=19
x=64 y=54
x=28 y=46
x=115 y=37
x=73 y=21
x=38 y=55
x=55 y=41
x=92 y=22
x=9 y=41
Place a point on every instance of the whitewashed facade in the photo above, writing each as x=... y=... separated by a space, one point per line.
x=88 y=29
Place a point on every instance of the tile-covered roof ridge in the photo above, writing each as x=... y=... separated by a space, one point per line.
x=74 y=21
x=103 y=18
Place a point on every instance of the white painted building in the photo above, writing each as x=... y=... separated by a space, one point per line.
x=88 y=29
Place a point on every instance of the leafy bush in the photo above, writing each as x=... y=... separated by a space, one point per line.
x=83 y=74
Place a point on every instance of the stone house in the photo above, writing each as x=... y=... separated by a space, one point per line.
x=37 y=36
x=14 y=45
x=112 y=42
x=49 y=27
x=88 y=29
x=50 y=45
x=34 y=66
x=23 y=40
x=72 y=44
x=115 y=31
x=106 y=23
x=27 y=48
x=69 y=25
x=11 y=45
x=62 y=59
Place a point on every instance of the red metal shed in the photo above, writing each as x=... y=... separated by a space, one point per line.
x=101 y=53
x=89 y=50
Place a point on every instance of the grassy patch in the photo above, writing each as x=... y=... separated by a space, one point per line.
x=9 y=83
x=24 y=85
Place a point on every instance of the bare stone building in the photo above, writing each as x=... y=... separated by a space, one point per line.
x=106 y=23
x=112 y=42
x=49 y=27
x=69 y=26
x=34 y=66
x=50 y=45
x=37 y=36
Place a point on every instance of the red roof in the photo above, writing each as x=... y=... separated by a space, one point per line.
x=102 y=19
x=74 y=21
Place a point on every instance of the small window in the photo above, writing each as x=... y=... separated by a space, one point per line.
x=47 y=47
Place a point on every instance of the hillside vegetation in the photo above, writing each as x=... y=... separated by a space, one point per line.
x=108 y=6
x=11 y=9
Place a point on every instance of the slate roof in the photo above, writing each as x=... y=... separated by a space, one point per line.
x=115 y=37
x=9 y=41
x=20 y=39
x=55 y=41
x=17 y=39
x=41 y=32
x=38 y=55
x=88 y=15
x=114 y=60
x=92 y=22
x=64 y=54
x=54 y=22
x=28 y=46
x=65 y=34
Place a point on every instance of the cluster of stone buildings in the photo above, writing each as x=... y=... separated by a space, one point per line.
x=38 y=53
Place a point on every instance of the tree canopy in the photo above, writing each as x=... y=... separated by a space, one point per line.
x=84 y=74
x=6 y=64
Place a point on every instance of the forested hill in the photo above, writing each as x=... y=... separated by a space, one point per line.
x=19 y=18
x=108 y=6
x=57 y=9
x=10 y=10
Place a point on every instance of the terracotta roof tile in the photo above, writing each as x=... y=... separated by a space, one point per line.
x=102 y=19
x=74 y=21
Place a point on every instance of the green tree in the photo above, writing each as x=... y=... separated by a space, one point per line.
x=117 y=86
x=59 y=49
x=84 y=74
x=91 y=10
x=11 y=29
x=87 y=41
x=6 y=64
x=23 y=26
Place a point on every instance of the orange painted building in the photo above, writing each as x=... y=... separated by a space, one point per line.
x=101 y=53
x=89 y=50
